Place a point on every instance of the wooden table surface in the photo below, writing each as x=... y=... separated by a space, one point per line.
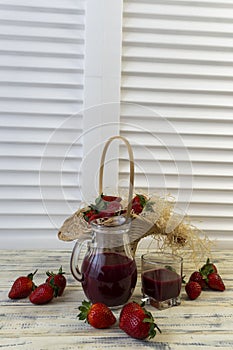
x=205 y=323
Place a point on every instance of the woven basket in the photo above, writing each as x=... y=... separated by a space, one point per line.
x=75 y=226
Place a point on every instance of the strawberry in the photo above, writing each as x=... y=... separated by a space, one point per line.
x=207 y=268
x=137 y=322
x=137 y=208
x=43 y=294
x=98 y=315
x=130 y=307
x=193 y=290
x=94 y=217
x=22 y=287
x=138 y=203
x=196 y=276
x=59 y=280
x=88 y=214
x=215 y=282
x=111 y=198
x=111 y=209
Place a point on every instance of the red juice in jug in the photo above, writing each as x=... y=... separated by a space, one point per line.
x=109 y=278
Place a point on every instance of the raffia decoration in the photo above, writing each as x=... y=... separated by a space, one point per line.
x=184 y=239
x=74 y=227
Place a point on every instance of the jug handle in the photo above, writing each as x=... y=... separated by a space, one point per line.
x=75 y=270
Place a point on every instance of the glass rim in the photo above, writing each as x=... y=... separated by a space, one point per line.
x=154 y=257
x=121 y=223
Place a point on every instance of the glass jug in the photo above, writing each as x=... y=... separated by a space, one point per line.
x=108 y=271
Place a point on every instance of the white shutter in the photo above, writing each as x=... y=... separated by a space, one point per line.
x=177 y=59
x=41 y=86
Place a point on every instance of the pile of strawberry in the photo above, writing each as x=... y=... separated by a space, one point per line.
x=206 y=278
x=24 y=287
x=134 y=319
x=107 y=206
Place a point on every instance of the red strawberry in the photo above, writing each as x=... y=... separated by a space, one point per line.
x=129 y=308
x=207 y=268
x=111 y=209
x=22 y=287
x=42 y=294
x=137 y=208
x=193 y=290
x=215 y=282
x=88 y=214
x=111 y=198
x=59 y=280
x=196 y=276
x=94 y=217
x=98 y=315
x=140 y=198
x=137 y=322
x=138 y=203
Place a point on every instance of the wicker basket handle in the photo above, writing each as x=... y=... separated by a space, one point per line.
x=131 y=178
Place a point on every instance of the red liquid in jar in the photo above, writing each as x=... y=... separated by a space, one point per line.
x=161 y=284
x=109 y=278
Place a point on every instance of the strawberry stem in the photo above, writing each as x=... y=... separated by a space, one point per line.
x=60 y=272
x=31 y=275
